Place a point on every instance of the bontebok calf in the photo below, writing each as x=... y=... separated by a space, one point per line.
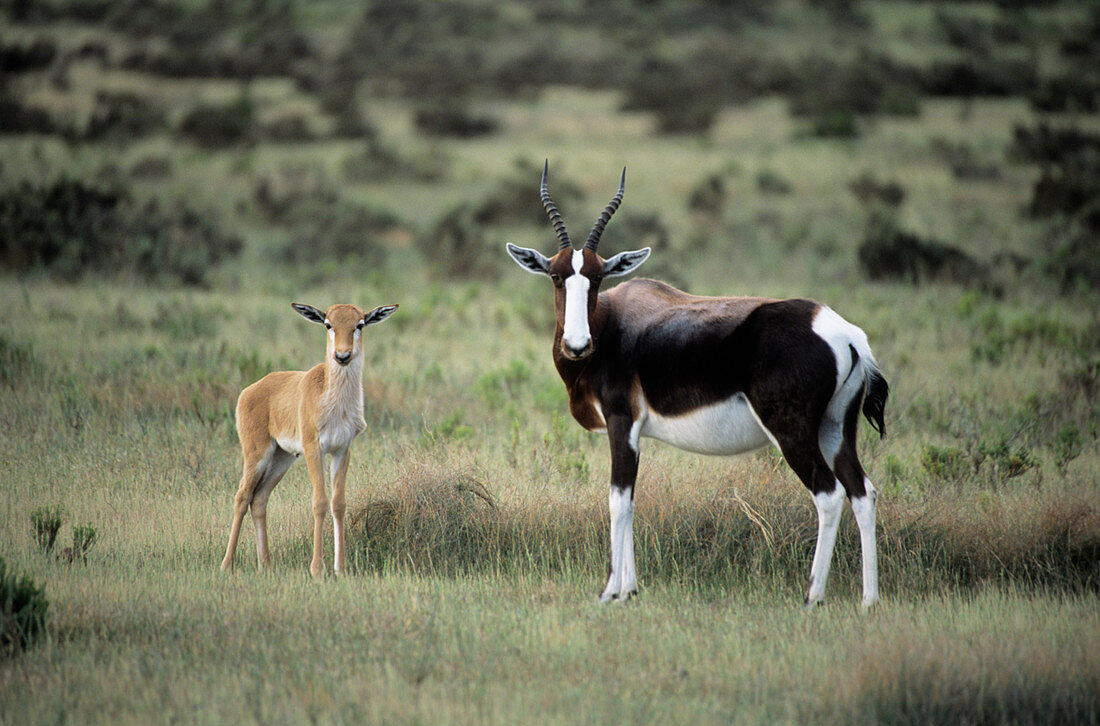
x=715 y=375
x=313 y=413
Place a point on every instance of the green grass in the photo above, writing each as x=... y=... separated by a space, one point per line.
x=478 y=536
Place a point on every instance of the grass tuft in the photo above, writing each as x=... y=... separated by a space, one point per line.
x=448 y=522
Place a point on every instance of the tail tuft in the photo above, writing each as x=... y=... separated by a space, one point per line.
x=874 y=402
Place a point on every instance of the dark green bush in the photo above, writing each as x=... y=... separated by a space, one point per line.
x=1075 y=259
x=838 y=124
x=834 y=93
x=869 y=190
x=888 y=253
x=454 y=121
x=71 y=228
x=19 y=58
x=217 y=126
x=1069 y=164
x=708 y=196
x=1074 y=92
x=23 y=611
x=18 y=118
x=122 y=117
x=994 y=76
x=1068 y=192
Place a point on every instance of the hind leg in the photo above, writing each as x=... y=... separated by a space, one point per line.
x=863 y=497
x=805 y=458
x=277 y=465
x=250 y=477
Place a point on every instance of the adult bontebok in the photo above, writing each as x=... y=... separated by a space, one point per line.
x=715 y=375
x=314 y=413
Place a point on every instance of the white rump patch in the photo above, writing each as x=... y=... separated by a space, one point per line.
x=841 y=336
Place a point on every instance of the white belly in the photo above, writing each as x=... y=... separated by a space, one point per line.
x=729 y=427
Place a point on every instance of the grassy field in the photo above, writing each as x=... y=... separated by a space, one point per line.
x=478 y=539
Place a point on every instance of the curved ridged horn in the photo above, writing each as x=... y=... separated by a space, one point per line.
x=597 y=231
x=564 y=243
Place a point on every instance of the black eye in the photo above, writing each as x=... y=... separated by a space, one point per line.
x=359 y=326
x=555 y=278
x=328 y=325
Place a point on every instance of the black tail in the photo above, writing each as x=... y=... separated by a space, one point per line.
x=874 y=401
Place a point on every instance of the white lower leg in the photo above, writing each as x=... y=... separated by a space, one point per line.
x=830 y=505
x=864 y=510
x=629 y=584
x=621 y=508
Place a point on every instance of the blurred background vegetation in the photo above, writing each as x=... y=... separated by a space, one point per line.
x=174 y=172
x=132 y=129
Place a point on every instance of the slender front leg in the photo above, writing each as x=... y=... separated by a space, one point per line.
x=339 y=466
x=622 y=581
x=315 y=464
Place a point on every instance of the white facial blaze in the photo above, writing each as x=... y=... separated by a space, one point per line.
x=576 y=334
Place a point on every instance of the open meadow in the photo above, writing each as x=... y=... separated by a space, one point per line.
x=174 y=174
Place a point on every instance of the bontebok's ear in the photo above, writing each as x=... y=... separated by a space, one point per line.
x=379 y=314
x=625 y=262
x=530 y=260
x=309 y=312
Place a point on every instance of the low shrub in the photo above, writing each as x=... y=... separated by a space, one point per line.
x=770 y=181
x=1075 y=257
x=23 y=611
x=71 y=228
x=47 y=523
x=870 y=191
x=832 y=94
x=18 y=118
x=454 y=121
x=291 y=128
x=1069 y=164
x=1068 y=192
x=122 y=117
x=888 y=253
x=457 y=244
x=218 y=126
x=84 y=536
x=994 y=76
x=837 y=124
x=708 y=196
x=685 y=98
x=1070 y=93
x=34 y=56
